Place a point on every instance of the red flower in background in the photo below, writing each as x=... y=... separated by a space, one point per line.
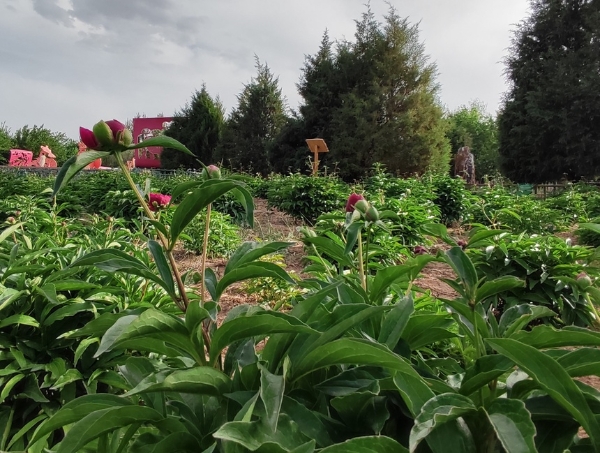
x=352 y=199
x=158 y=201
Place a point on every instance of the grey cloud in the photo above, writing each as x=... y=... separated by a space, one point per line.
x=50 y=10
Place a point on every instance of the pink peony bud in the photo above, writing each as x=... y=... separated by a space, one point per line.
x=584 y=280
x=352 y=199
x=115 y=126
x=158 y=201
x=106 y=136
x=88 y=138
x=11 y=220
x=211 y=172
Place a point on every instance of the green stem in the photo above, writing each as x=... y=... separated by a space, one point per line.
x=205 y=250
x=361 y=265
x=594 y=310
x=165 y=243
x=163 y=239
x=367 y=261
x=477 y=346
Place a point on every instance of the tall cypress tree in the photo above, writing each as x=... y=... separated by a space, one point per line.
x=549 y=122
x=254 y=125
x=374 y=100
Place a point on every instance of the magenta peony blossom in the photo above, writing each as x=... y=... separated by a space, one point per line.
x=419 y=250
x=352 y=199
x=158 y=201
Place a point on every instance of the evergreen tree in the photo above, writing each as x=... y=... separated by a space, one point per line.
x=471 y=126
x=199 y=126
x=374 y=100
x=253 y=126
x=548 y=125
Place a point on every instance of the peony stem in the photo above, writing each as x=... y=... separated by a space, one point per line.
x=205 y=250
x=163 y=239
x=361 y=266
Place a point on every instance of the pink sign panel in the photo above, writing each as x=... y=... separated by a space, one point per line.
x=143 y=129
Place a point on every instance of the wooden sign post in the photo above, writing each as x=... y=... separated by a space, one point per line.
x=316 y=146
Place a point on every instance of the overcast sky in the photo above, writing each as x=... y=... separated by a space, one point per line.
x=66 y=63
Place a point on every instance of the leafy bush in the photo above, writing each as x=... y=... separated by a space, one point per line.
x=307 y=197
x=273 y=292
x=224 y=236
x=499 y=208
x=451 y=197
x=43 y=299
x=550 y=268
x=121 y=203
x=589 y=234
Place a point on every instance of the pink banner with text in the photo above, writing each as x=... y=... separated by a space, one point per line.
x=143 y=129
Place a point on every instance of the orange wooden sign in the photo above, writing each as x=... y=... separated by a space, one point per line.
x=316 y=146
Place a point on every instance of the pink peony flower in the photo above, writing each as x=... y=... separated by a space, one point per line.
x=352 y=199
x=158 y=201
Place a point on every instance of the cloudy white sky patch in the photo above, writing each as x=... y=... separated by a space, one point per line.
x=66 y=63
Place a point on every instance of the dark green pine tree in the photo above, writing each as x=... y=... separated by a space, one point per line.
x=549 y=125
x=253 y=126
x=199 y=126
x=321 y=93
x=374 y=100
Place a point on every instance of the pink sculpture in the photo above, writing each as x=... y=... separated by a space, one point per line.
x=20 y=158
x=24 y=158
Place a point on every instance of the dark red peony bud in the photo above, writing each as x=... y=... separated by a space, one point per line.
x=88 y=138
x=352 y=199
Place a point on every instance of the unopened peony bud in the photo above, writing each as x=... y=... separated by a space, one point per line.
x=88 y=138
x=462 y=243
x=362 y=206
x=11 y=220
x=211 y=172
x=103 y=133
x=419 y=250
x=352 y=200
x=115 y=127
x=584 y=280
x=372 y=214
x=124 y=137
